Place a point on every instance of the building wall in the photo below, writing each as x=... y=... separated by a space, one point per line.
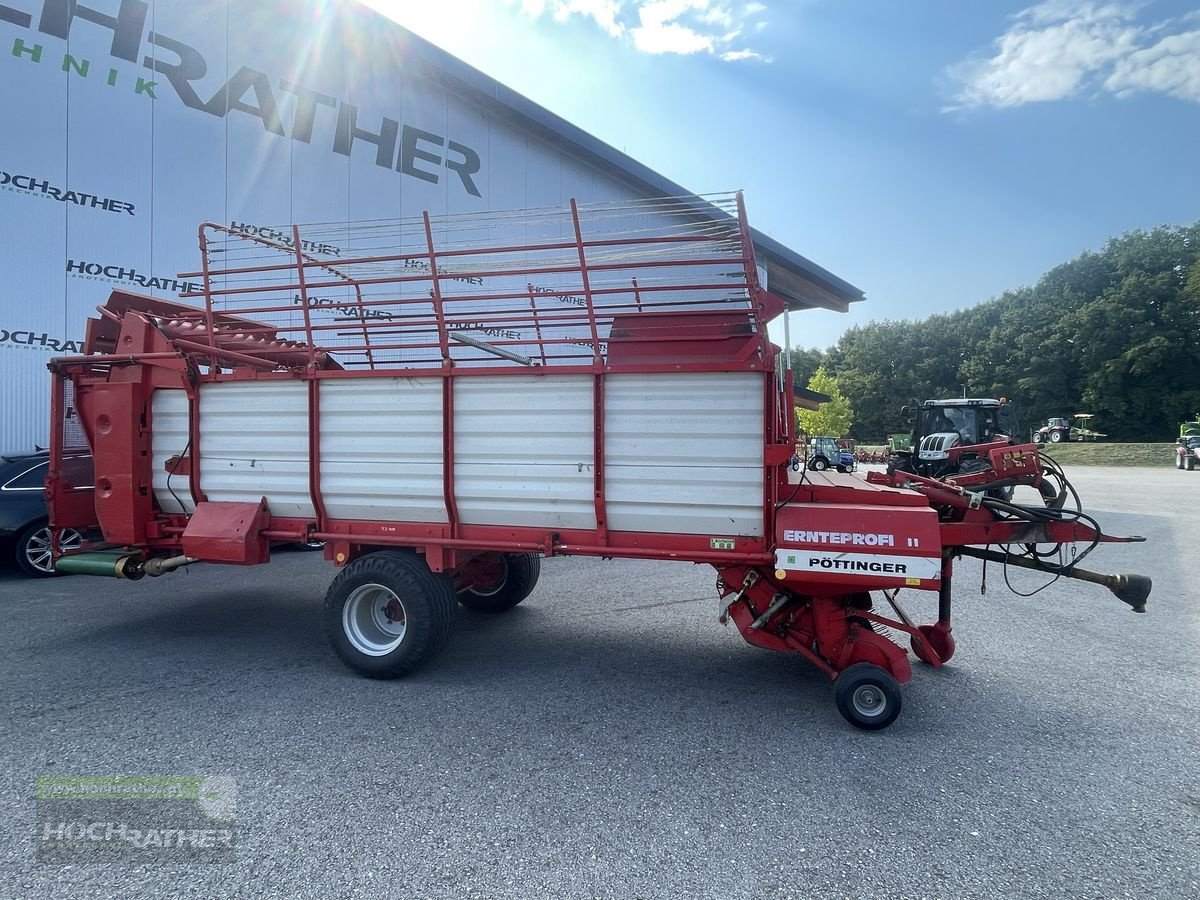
x=129 y=122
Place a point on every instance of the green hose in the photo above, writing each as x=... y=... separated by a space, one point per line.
x=96 y=562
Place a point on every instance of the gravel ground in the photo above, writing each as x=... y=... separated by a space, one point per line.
x=609 y=739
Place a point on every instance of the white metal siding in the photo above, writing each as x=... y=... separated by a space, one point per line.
x=524 y=451
x=254 y=444
x=381 y=449
x=684 y=454
x=169 y=437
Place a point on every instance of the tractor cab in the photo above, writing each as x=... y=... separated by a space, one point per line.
x=972 y=421
x=949 y=436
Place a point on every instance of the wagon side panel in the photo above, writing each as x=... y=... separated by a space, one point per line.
x=684 y=453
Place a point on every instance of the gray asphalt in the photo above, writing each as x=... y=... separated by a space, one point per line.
x=609 y=739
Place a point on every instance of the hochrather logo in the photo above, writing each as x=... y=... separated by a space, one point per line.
x=94 y=271
x=15 y=339
x=411 y=151
x=32 y=184
x=282 y=237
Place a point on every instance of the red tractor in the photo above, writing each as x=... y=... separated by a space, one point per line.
x=490 y=390
x=953 y=439
x=1187 y=448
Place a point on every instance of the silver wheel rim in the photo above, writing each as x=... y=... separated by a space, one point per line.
x=869 y=701
x=374 y=620
x=38 y=550
x=497 y=588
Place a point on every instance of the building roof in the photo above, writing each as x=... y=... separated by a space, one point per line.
x=806 y=399
x=798 y=281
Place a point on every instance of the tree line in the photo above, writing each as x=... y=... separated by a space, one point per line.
x=1115 y=333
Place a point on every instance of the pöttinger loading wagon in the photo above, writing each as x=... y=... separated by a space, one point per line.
x=444 y=401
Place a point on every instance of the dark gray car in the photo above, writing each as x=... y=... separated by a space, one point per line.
x=24 y=519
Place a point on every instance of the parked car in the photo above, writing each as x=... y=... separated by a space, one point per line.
x=24 y=521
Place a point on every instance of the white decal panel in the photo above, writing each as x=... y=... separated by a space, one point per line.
x=925 y=568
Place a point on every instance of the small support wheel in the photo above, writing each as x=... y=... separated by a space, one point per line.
x=387 y=614
x=867 y=696
x=501 y=581
x=939 y=638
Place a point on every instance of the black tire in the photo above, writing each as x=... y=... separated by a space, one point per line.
x=867 y=697
x=33 y=549
x=1179 y=460
x=1189 y=463
x=819 y=465
x=521 y=573
x=361 y=610
x=1056 y=437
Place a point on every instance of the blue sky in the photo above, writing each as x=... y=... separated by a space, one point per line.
x=934 y=152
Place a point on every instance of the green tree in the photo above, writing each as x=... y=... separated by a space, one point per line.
x=833 y=418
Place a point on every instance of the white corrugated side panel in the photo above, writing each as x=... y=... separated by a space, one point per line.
x=254 y=443
x=169 y=437
x=684 y=453
x=524 y=451
x=381 y=449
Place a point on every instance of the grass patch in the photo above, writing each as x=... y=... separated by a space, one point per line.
x=1098 y=454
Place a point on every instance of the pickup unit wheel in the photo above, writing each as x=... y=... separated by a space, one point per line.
x=506 y=580
x=867 y=696
x=387 y=614
x=33 y=548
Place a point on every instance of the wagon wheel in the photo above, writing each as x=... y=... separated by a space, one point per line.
x=387 y=614
x=867 y=696
x=500 y=581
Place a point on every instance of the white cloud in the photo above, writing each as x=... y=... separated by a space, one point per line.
x=682 y=27
x=1062 y=49
x=1171 y=66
